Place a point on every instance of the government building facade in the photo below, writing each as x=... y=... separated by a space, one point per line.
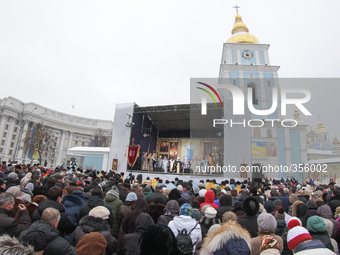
x=20 y=123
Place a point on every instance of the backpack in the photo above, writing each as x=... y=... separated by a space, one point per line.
x=184 y=243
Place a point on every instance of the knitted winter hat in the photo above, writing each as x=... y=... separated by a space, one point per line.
x=210 y=212
x=185 y=209
x=93 y=243
x=269 y=242
x=316 y=224
x=12 y=176
x=113 y=192
x=202 y=192
x=131 y=196
x=280 y=213
x=297 y=235
x=294 y=222
x=100 y=212
x=266 y=222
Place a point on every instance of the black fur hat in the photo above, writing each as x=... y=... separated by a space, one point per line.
x=251 y=206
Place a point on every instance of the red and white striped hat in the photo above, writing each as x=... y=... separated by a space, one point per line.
x=297 y=235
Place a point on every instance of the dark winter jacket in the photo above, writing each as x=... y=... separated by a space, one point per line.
x=269 y=204
x=156 y=195
x=326 y=212
x=285 y=201
x=334 y=203
x=170 y=211
x=123 y=194
x=65 y=226
x=323 y=237
x=131 y=241
x=206 y=223
x=281 y=226
x=139 y=206
x=8 y=225
x=115 y=204
x=124 y=209
x=93 y=202
x=226 y=202
x=72 y=205
x=249 y=223
x=45 y=237
x=11 y=183
x=90 y=224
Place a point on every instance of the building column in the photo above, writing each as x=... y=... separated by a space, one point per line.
x=61 y=147
x=9 y=139
x=69 y=144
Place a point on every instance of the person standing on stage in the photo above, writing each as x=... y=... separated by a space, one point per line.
x=165 y=164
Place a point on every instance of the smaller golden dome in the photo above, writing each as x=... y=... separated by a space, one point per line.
x=297 y=117
x=321 y=128
x=240 y=32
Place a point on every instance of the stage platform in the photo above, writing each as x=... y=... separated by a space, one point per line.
x=171 y=177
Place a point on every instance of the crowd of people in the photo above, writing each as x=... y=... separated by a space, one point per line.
x=71 y=211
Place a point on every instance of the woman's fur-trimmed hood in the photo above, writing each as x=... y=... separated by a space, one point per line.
x=294 y=208
x=230 y=230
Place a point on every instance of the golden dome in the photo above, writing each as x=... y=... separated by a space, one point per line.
x=321 y=128
x=240 y=32
x=297 y=117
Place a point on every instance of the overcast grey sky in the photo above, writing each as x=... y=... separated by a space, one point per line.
x=95 y=54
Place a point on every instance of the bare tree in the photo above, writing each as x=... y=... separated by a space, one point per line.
x=101 y=139
x=40 y=138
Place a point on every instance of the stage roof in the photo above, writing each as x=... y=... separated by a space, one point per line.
x=181 y=117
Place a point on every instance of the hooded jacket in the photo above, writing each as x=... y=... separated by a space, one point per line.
x=90 y=224
x=115 y=204
x=45 y=237
x=209 y=199
x=139 y=206
x=131 y=241
x=65 y=226
x=334 y=203
x=170 y=211
x=188 y=223
x=326 y=212
x=230 y=239
x=72 y=205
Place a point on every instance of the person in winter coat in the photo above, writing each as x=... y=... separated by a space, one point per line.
x=8 y=225
x=201 y=196
x=96 y=221
x=65 y=226
x=280 y=220
x=251 y=207
x=226 y=202
x=158 y=194
x=72 y=204
x=317 y=229
x=112 y=199
x=238 y=210
x=170 y=211
x=301 y=243
x=209 y=199
x=195 y=210
x=139 y=206
x=335 y=200
x=266 y=226
x=269 y=203
x=94 y=201
x=326 y=213
x=208 y=220
x=126 y=207
x=184 y=221
x=44 y=236
x=158 y=240
x=269 y=246
x=284 y=197
x=230 y=239
x=131 y=241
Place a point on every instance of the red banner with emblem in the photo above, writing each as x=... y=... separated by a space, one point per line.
x=133 y=154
